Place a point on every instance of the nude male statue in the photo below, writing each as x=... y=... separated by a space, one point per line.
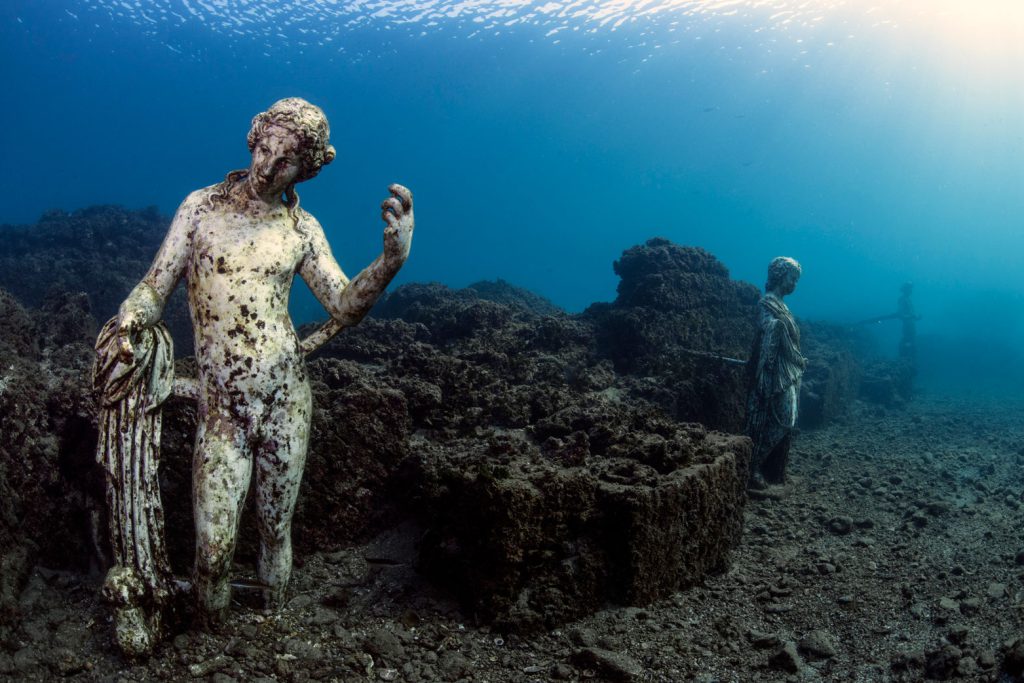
x=774 y=373
x=238 y=244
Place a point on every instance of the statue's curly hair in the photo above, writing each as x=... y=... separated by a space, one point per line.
x=779 y=268
x=303 y=119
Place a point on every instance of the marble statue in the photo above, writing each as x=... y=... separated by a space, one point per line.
x=775 y=369
x=238 y=245
x=908 y=321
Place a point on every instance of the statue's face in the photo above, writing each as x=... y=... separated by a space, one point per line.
x=786 y=282
x=276 y=161
x=789 y=282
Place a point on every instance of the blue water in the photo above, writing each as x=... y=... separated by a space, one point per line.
x=877 y=143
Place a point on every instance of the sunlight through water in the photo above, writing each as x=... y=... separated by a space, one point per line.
x=983 y=39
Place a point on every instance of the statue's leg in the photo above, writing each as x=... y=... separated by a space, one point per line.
x=221 y=469
x=280 y=458
x=773 y=467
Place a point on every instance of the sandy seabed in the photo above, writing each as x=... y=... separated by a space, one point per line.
x=895 y=552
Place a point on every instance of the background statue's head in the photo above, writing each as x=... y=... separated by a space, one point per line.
x=305 y=120
x=907 y=288
x=783 y=272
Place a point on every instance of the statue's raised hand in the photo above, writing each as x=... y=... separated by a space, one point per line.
x=396 y=211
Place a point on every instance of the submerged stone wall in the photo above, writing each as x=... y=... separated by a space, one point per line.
x=834 y=371
x=531 y=543
x=673 y=300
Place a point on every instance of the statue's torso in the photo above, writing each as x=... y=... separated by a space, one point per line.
x=239 y=276
x=777 y=353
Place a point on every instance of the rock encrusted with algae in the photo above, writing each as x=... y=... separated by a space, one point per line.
x=437 y=382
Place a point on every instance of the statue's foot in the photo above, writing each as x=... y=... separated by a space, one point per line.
x=273 y=598
x=209 y=621
x=135 y=633
x=757 y=482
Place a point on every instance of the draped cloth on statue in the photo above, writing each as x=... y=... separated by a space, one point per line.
x=140 y=582
x=776 y=366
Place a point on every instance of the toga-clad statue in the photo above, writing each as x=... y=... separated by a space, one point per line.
x=774 y=372
x=908 y=321
x=237 y=245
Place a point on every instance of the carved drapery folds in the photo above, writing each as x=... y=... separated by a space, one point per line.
x=139 y=585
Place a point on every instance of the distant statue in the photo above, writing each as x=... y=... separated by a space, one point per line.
x=238 y=244
x=774 y=372
x=908 y=318
x=904 y=371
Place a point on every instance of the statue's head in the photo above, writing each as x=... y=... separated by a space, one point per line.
x=907 y=288
x=304 y=120
x=783 y=273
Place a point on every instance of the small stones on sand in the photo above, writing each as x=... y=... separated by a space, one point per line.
x=841 y=525
x=561 y=672
x=1013 y=658
x=935 y=508
x=818 y=644
x=970 y=606
x=209 y=666
x=786 y=658
x=384 y=646
x=941 y=664
x=957 y=634
x=919 y=519
x=996 y=591
x=613 y=666
x=322 y=616
x=987 y=659
x=762 y=640
x=967 y=667
x=300 y=602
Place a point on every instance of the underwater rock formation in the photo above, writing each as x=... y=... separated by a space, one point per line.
x=441 y=398
x=545 y=488
x=887 y=382
x=833 y=374
x=101 y=251
x=48 y=481
x=673 y=300
x=530 y=536
x=502 y=292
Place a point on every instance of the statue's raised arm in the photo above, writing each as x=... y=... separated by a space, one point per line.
x=348 y=302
